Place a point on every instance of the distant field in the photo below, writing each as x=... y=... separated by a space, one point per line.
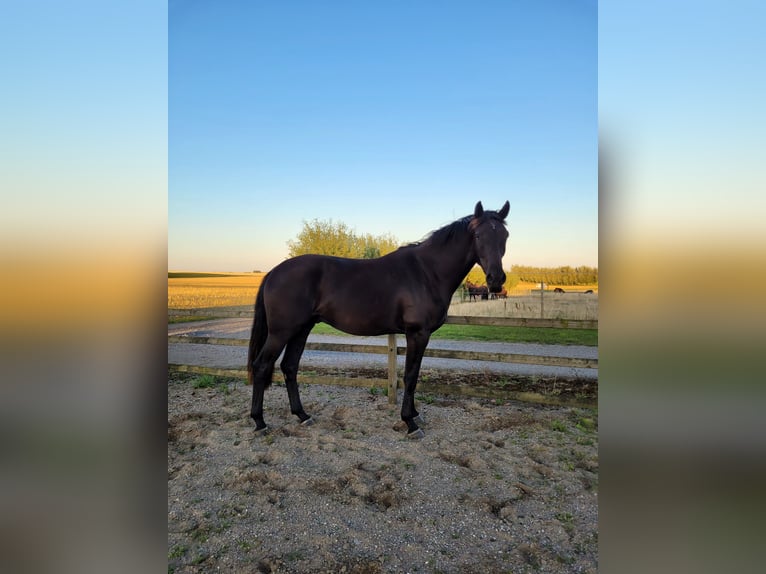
x=199 y=290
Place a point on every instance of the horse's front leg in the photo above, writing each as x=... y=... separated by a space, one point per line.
x=416 y=346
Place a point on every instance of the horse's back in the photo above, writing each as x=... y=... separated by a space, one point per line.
x=301 y=269
x=325 y=273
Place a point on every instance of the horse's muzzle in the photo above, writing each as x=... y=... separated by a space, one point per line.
x=495 y=281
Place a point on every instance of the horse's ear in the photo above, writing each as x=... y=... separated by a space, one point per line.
x=479 y=211
x=503 y=213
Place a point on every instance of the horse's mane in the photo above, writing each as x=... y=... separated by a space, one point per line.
x=443 y=234
x=457 y=228
x=448 y=232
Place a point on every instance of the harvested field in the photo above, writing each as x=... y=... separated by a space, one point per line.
x=198 y=290
x=491 y=488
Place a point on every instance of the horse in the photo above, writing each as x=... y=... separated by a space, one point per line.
x=559 y=290
x=474 y=291
x=405 y=292
x=589 y=291
x=471 y=290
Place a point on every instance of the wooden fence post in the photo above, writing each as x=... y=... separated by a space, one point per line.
x=392 y=380
x=542 y=297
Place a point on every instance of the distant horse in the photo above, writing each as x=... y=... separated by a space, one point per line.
x=559 y=290
x=588 y=291
x=471 y=290
x=407 y=291
x=474 y=291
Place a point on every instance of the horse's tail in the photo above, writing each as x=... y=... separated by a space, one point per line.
x=258 y=334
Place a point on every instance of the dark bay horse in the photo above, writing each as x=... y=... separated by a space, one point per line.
x=407 y=291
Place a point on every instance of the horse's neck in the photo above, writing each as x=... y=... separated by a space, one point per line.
x=447 y=265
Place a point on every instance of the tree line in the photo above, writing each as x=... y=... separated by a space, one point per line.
x=566 y=275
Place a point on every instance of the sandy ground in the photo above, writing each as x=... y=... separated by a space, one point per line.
x=492 y=487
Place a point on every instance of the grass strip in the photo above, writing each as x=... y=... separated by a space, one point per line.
x=588 y=337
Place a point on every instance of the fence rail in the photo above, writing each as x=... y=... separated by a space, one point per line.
x=385 y=350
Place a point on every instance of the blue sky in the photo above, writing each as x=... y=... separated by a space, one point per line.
x=392 y=117
x=83 y=133
x=681 y=92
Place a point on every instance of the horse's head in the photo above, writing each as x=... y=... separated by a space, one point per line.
x=489 y=237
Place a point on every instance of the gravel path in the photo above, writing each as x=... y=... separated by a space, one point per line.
x=235 y=357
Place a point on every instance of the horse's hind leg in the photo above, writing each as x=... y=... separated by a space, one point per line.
x=289 y=366
x=263 y=368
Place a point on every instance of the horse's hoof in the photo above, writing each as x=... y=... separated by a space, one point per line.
x=263 y=432
x=416 y=434
x=419 y=420
x=308 y=422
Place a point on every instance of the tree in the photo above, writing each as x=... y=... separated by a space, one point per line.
x=377 y=245
x=325 y=237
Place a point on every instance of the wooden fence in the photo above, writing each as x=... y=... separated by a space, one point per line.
x=392 y=349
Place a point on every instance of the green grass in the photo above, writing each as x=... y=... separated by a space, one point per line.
x=587 y=337
x=204 y=382
x=211 y=382
x=518 y=335
x=177 y=551
x=558 y=426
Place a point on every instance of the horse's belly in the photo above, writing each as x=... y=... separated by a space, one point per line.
x=362 y=323
x=356 y=317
